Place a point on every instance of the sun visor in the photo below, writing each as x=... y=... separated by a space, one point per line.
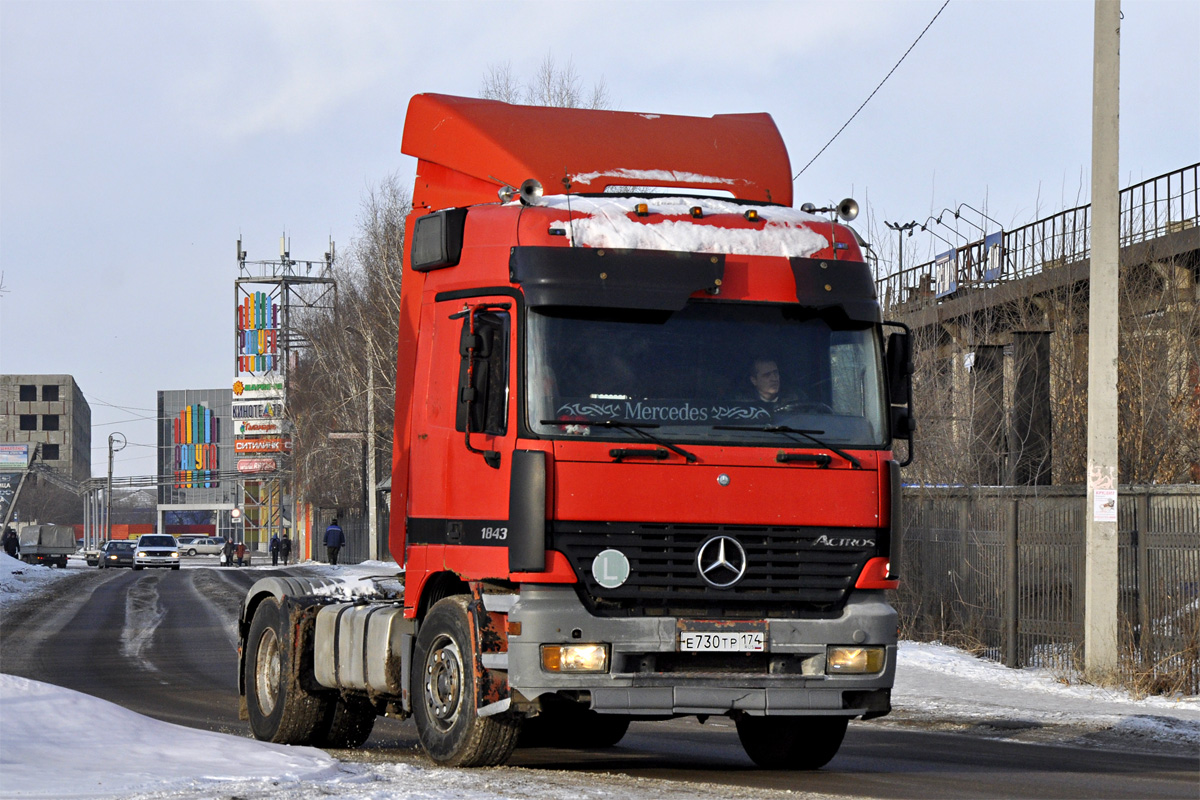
x=658 y=280
x=826 y=283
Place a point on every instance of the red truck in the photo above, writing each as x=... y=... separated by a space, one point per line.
x=643 y=460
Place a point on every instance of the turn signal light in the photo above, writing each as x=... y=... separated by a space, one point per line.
x=575 y=657
x=853 y=660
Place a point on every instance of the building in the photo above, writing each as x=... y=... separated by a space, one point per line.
x=196 y=466
x=48 y=410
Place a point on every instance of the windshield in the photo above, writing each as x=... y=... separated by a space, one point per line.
x=156 y=541
x=693 y=374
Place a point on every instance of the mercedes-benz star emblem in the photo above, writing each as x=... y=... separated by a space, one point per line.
x=721 y=561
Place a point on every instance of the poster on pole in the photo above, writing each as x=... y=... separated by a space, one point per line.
x=1105 y=505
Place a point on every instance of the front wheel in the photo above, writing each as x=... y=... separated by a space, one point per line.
x=191 y=552
x=444 y=694
x=791 y=742
x=280 y=709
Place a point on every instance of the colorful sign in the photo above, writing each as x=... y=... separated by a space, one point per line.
x=258 y=410
x=258 y=389
x=258 y=334
x=252 y=465
x=257 y=427
x=196 y=454
x=14 y=457
x=249 y=446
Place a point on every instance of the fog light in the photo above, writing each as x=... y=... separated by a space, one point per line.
x=853 y=660
x=575 y=657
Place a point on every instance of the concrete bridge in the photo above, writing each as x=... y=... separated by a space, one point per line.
x=1000 y=330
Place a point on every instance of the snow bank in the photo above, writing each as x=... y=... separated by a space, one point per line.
x=18 y=578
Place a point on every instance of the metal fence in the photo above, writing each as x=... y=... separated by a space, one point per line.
x=354 y=525
x=1157 y=207
x=1003 y=569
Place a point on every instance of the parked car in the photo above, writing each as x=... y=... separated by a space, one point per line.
x=188 y=538
x=202 y=545
x=156 y=550
x=92 y=555
x=117 y=553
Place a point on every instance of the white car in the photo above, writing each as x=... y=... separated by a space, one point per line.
x=156 y=550
x=202 y=545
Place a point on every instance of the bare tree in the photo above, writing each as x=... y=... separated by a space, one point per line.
x=551 y=85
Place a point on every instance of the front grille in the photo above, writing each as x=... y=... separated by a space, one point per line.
x=789 y=570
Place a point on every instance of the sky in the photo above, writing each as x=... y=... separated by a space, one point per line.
x=140 y=140
x=46 y=752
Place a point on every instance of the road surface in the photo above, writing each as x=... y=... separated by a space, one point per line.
x=162 y=643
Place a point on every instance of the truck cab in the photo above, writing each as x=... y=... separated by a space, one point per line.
x=643 y=458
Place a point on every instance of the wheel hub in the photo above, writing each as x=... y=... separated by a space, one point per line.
x=266 y=672
x=443 y=681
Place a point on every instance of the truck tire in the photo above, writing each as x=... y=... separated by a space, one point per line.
x=350 y=723
x=280 y=710
x=444 y=694
x=791 y=742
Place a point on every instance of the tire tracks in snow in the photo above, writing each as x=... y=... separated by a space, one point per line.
x=144 y=612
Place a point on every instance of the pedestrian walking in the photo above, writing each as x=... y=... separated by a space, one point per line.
x=227 y=553
x=274 y=547
x=240 y=552
x=12 y=545
x=285 y=548
x=335 y=540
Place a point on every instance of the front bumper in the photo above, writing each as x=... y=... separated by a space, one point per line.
x=156 y=561
x=649 y=677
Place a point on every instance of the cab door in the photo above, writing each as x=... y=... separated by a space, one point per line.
x=462 y=448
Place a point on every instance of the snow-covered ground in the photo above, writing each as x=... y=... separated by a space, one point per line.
x=49 y=747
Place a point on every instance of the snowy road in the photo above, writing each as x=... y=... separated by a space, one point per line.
x=161 y=644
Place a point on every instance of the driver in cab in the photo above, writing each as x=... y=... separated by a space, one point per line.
x=767 y=386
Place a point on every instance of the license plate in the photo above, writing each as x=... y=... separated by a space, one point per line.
x=722 y=641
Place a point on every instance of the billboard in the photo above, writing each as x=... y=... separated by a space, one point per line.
x=945 y=267
x=257 y=427
x=14 y=457
x=258 y=334
x=993 y=251
x=254 y=465
x=258 y=409
x=258 y=389
x=250 y=446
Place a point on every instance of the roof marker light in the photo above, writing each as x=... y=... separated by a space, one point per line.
x=641 y=209
x=751 y=215
x=697 y=212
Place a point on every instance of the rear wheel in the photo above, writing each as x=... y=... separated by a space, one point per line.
x=444 y=694
x=791 y=742
x=280 y=709
x=191 y=552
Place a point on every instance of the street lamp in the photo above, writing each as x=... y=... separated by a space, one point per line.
x=108 y=490
x=369 y=444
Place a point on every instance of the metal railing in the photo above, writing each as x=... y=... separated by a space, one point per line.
x=1002 y=569
x=1151 y=209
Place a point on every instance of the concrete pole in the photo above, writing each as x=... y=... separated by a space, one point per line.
x=372 y=527
x=1100 y=585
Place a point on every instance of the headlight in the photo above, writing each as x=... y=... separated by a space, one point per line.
x=853 y=660
x=141 y=554
x=174 y=555
x=575 y=657
x=112 y=558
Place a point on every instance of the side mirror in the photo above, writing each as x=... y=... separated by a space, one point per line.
x=898 y=362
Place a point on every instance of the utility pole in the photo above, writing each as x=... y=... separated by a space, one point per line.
x=108 y=488
x=1100 y=583
x=373 y=530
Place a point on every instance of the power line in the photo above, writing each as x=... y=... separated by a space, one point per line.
x=877 y=88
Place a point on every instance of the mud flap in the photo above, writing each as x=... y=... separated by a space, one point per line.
x=489 y=649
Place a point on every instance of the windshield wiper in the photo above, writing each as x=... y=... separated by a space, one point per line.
x=626 y=425
x=807 y=434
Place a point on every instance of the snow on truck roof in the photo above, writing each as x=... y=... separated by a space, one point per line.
x=610 y=222
x=468 y=148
